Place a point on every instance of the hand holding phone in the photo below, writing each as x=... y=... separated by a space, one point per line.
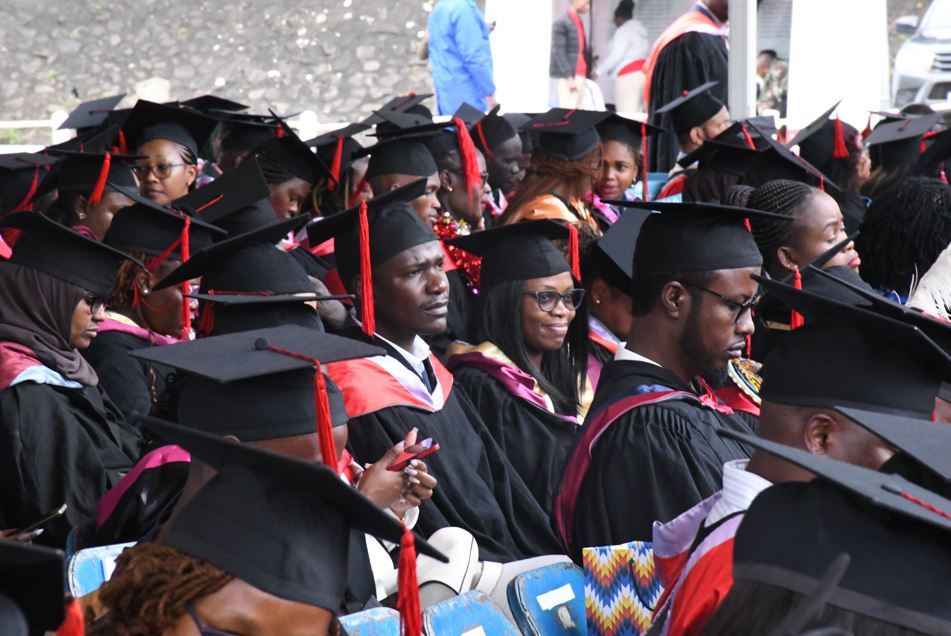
x=418 y=451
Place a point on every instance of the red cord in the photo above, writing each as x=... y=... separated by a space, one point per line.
x=470 y=163
x=795 y=319
x=337 y=160
x=411 y=618
x=573 y=251
x=366 y=274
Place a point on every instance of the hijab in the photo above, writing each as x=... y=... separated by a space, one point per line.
x=36 y=311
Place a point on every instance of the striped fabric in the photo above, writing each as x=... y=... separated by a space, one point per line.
x=620 y=588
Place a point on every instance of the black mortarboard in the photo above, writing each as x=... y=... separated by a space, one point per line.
x=691 y=108
x=733 y=150
x=149 y=121
x=567 y=134
x=492 y=130
x=92 y=113
x=824 y=139
x=152 y=229
x=882 y=363
x=62 y=253
x=895 y=532
x=695 y=237
x=617 y=246
x=406 y=124
x=89 y=174
x=20 y=175
x=32 y=577
x=240 y=132
x=519 y=251
x=294 y=156
x=236 y=201
x=628 y=131
x=898 y=143
x=401 y=104
x=400 y=156
x=277 y=523
x=209 y=103
x=238 y=387
x=337 y=147
x=238 y=276
x=468 y=113
x=779 y=162
x=931 y=162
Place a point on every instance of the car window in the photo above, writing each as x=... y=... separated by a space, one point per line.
x=937 y=21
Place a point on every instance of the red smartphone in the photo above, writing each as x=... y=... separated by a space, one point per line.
x=424 y=449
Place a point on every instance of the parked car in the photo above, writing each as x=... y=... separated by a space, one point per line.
x=922 y=71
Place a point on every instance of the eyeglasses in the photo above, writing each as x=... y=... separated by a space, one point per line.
x=547 y=300
x=483 y=175
x=162 y=170
x=202 y=628
x=738 y=308
x=95 y=302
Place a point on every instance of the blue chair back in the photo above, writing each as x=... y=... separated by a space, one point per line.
x=379 y=621
x=469 y=614
x=549 y=601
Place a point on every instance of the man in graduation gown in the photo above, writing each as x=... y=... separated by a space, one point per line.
x=649 y=447
x=404 y=297
x=691 y=52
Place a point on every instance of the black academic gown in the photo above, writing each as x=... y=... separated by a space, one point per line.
x=653 y=463
x=686 y=63
x=534 y=440
x=59 y=445
x=478 y=488
x=134 y=386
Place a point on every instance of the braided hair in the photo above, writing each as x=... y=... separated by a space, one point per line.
x=905 y=229
x=780 y=196
x=152 y=588
x=738 y=195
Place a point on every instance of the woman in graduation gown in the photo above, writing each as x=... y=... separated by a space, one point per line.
x=622 y=163
x=527 y=374
x=138 y=316
x=292 y=170
x=61 y=439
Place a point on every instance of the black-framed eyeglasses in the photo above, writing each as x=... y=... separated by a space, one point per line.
x=162 y=170
x=202 y=628
x=95 y=302
x=547 y=300
x=738 y=308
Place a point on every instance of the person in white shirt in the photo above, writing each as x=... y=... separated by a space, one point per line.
x=628 y=49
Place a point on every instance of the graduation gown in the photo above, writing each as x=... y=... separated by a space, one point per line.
x=517 y=416
x=478 y=488
x=59 y=445
x=652 y=462
x=692 y=59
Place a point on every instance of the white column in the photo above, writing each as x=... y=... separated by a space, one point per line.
x=742 y=58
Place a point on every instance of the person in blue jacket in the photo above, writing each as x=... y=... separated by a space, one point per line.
x=460 y=56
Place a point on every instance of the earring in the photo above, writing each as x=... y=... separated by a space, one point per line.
x=597 y=301
x=145 y=291
x=82 y=216
x=448 y=188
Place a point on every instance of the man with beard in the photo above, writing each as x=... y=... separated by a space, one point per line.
x=649 y=447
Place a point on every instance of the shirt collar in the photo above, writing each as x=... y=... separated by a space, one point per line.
x=623 y=353
x=416 y=356
x=740 y=488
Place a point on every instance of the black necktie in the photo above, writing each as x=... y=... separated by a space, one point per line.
x=428 y=376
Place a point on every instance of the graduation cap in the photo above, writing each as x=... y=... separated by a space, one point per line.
x=492 y=130
x=930 y=163
x=468 y=113
x=824 y=138
x=733 y=150
x=283 y=525
x=19 y=180
x=243 y=132
x=897 y=143
x=410 y=102
x=613 y=253
x=779 y=162
x=567 y=134
x=149 y=121
x=239 y=386
x=695 y=237
x=691 y=108
x=336 y=148
x=625 y=130
x=294 y=156
x=91 y=173
x=210 y=103
x=236 y=201
x=881 y=363
x=54 y=249
x=520 y=251
x=31 y=576
x=92 y=113
x=370 y=234
x=399 y=156
x=895 y=532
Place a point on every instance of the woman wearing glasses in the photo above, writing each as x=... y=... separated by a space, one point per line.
x=527 y=375
x=168 y=139
x=61 y=439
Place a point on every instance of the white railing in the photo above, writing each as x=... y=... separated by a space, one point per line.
x=52 y=124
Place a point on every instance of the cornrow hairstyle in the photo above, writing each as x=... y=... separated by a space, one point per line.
x=905 y=229
x=738 y=195
x=151 y=589
x=274 y=173
x=781 y=196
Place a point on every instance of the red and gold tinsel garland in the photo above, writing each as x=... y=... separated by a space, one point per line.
x=447 y=228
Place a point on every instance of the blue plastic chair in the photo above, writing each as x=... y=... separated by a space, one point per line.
x=88 y=569
x=469 y=614
x=379 y=621
x=549 y=601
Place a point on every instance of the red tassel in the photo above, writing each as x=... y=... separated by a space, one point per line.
x=822 y=183
x=207 y=322
x=839 y=149
x=781 y=135
x=366 y=274
x=573 y=251
x=470 y=163
x=746 y=222
x=747 y=138
x=96 y=195
x=281 y=132
x=335 y=164
x=123 y=147
x=73 y=624
x=26 y=205
x=796 y=320
x=485 y=145
x=411 y=617
x=868 y=127
x=942 y=175
x=645 y=187
x=186 y=286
